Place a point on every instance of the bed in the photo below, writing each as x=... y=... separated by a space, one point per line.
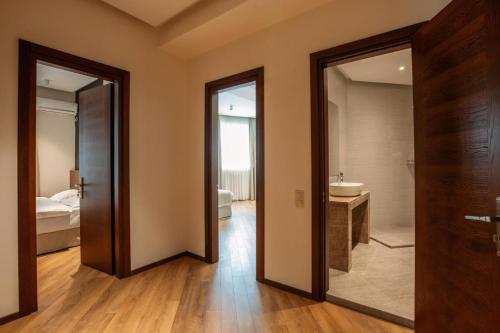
x=58 y=221
x=225 y=200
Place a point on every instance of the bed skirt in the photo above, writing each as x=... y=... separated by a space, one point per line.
x=225 y=212
x=224 y=202
x=57 y=240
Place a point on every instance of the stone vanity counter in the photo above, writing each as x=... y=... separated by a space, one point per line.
x=348 y=224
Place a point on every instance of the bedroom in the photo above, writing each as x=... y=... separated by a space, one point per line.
x=236 y=173
x=69 y=124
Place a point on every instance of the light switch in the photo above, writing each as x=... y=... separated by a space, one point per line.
x=299 y=198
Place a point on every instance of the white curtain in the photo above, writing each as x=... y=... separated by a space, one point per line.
x=237 y=156
x=253 y=157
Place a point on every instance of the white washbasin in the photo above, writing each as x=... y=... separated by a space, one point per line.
x=346 y=189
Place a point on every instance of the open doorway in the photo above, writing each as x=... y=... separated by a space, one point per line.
x=365 y=245
x=234 y=170
x=456 y=149
x=57 y=157
x=73 y=172
x=371 y=207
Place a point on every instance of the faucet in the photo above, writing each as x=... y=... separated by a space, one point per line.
x=340 y=177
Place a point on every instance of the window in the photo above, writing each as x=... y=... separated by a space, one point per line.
x=235 y=143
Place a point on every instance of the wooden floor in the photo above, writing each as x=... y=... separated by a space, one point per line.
x=185 y=295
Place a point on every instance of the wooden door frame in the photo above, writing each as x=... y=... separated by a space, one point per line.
x=29 y=54
x=211 y=209
x=376 y=45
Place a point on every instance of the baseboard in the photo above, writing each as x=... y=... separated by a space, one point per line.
x=371 y=311
x=166 y=260
x=289 y=289
x=194 y=256
x=9 y=318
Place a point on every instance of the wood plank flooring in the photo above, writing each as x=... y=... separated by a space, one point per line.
x=185 y=295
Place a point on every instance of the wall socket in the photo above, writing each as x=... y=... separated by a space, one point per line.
x=299 y=198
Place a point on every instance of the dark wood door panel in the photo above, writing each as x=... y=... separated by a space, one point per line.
x=457 y=165
x=460 y=114
x=96 y=219
x=454 y=20
x=463 y=44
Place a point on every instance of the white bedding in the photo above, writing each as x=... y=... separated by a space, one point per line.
x=46 y=207
x=53 y=215
x=58 y=223
x=225 y=198
x=68 y=198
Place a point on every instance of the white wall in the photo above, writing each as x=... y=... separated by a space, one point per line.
x=55 y=141
x=94 y=30
x=379 y=144
x=284 y=51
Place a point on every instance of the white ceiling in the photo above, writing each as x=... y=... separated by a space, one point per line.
x=153 y=12
x=60 y=79
x=238 y=101
x=245 y=91
x=381 y=69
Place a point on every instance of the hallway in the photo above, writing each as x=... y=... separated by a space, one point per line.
x=185 y=295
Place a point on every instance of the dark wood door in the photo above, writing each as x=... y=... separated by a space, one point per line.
x=96 y=220
x=456 y=59
x=211 y=178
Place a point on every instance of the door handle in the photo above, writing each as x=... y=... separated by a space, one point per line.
x=485 y=219
x=81 y=186
x=490 y=219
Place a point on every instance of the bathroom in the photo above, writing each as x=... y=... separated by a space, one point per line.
x=371 y=151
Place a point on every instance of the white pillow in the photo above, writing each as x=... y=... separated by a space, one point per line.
x=73 y=202
x=68 y=194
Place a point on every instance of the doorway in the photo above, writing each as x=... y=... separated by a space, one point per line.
x=371 y=206
x=455 y=88
x=234 y=164
x=90 y=208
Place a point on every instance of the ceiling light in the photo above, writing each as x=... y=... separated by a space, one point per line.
x=402 y=68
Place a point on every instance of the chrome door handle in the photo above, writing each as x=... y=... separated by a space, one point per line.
x=490 y=219
x=485 y=219
x=80 y=186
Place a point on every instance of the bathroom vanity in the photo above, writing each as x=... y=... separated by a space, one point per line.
x=348 y=224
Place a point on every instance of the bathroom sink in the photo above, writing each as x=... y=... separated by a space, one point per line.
x=346 y=189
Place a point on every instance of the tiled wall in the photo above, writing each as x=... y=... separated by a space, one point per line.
x=379 y=144
x=337 y=95
x=376 y=144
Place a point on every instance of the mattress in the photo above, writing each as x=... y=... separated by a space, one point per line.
x=53 y=215
x=57 y=223
x=57 y=240
x=46 y=207
x=225 y=198
x=225 y=212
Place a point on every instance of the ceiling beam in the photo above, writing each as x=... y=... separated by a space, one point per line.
x=194 y=17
